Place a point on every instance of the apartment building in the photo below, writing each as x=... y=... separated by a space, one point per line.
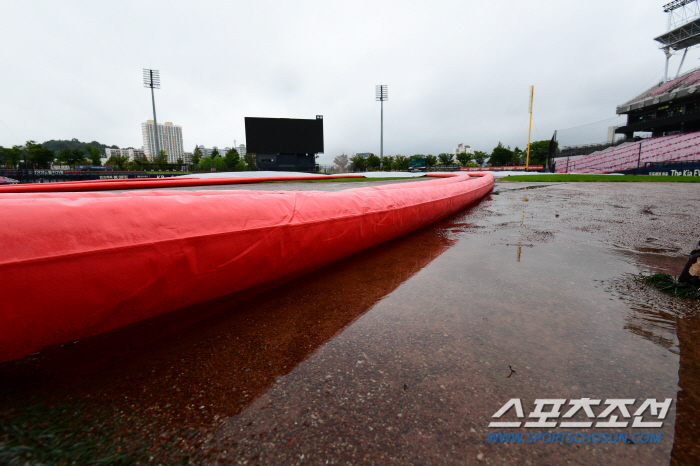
x=169 y=139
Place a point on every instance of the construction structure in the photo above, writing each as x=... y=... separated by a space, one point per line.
x=683 y=30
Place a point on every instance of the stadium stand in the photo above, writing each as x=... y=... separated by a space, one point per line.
x=670 y=111
x=666 y=108
x=676 y=147
x=689 y=79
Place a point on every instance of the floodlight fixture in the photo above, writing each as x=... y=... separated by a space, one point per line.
x=151 y=79
x=382 y=94
x=676 y=4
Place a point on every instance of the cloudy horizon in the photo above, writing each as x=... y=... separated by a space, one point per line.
x=457 y=72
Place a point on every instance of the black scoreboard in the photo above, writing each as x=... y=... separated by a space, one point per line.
x=284 y=135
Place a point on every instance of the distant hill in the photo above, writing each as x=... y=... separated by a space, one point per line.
x=60 y=144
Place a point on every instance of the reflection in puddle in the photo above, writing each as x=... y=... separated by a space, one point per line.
x=673 y=324
x=686 y=443
x=651 y=315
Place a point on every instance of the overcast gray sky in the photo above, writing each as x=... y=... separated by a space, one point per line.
x=457 y=71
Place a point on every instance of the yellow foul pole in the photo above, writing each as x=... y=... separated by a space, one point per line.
x=529 y=133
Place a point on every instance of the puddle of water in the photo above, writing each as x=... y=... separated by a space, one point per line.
x=417 y=378
x=454 y=357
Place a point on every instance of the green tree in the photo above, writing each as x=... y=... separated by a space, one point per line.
x=401 y=162
x=518 y=157
x=342 y=161
x=215 y=153
x=417 y=156
x=64 y=156
x=430 y=161
x=219 y=164
x=205 y=164
x=57 y=145
x=373 y=162
x=250 y=161
x=196 y=155
x=39 y=155
x=93 y=154
x=539 y=151
x=79 y=157
x=162 y=157
x=501 y=156
x=464 y=158
x=480 y=157
x=117 y=162
x=180 y=161
x=358 y=163
x=71 y=157
x=11 y=155
x=232 y=158
x=387 y=162
x=446 y=159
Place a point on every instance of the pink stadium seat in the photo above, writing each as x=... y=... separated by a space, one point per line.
x=666 y=148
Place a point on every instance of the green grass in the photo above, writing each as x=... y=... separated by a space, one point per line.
x=345 y=180
x=604 y=178
x=668 y=284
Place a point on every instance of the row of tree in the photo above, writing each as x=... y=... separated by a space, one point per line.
x=500 y=156
x=42 y=156
x=230 y=161
x=504 y=156
x=401 y=162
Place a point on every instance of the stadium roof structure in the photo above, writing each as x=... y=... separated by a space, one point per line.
x=683 y=86
x=682 y=37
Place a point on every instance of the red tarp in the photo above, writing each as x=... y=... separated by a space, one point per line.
x=78 y=264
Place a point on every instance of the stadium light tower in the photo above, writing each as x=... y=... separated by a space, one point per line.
x=683 y=30
x=382 y=95
x=151 y=78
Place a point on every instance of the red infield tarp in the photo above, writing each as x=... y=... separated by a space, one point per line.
x=79 y=264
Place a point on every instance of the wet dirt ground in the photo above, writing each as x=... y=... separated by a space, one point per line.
x=401 y=354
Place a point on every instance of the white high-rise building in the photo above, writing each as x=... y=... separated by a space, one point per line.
x=169 y=139
x=241 y=150
x=463 y=148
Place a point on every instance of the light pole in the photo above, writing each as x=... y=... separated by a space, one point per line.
x=382 y=95
x=151 y=78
